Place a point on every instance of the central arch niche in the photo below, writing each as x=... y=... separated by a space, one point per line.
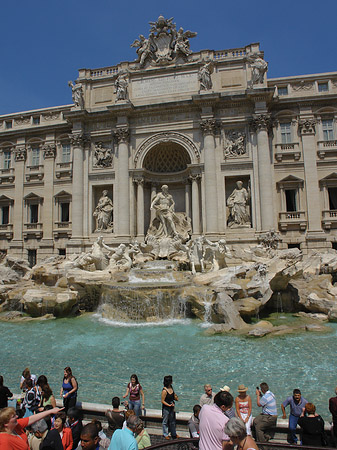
x=167 y=157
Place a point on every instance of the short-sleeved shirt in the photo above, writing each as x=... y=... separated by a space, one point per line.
x=268 y=403
x=211 y=427
x=295 y=408
x=134 y=391
x=206 y=399
x=123 y=440
x=18 y=441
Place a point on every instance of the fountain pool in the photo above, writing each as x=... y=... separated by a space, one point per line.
x=103 y=354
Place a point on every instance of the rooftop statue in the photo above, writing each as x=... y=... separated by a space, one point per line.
x=259 y=68
x=204 y=76
x=121 y=87
x=77 y=94
x=164 y=45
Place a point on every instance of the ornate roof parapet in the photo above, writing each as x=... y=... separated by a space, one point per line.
x=122 y=135
x=49 y=151
x=261 y=122
x=20 y=153
x=307 y=126
x=209 y=126
x=164 y=45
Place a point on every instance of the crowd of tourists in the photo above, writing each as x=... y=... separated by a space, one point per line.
x=218 y=422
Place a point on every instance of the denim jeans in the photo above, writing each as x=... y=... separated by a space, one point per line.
x=292 y=429
x=136 y=405
x=169 y=421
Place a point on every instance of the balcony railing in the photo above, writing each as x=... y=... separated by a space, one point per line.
x=292 y=219
x=329 y=218
x=6 y=230
x=32 y=229
x=290 y=150
x=327 y=149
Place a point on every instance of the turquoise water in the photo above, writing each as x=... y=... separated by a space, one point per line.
x=103 y=356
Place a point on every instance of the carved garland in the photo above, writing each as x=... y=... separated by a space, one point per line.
x=166 y=137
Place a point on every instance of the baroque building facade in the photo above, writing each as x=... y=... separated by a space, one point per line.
x=198 y=122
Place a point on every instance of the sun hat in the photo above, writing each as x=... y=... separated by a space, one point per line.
x=242 y=388
x=225 y=388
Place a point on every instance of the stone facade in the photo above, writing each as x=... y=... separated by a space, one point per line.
x=198 y=122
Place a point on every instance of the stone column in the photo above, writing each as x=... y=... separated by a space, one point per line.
x=208 y=127
x=20 y=155
x=78 y=142
x=187 y=197
x=307 y=130
x=153 y=194
x=140 y=206
x=261 y=123
x=195 y=204
x=49 y=153
x=123 y=218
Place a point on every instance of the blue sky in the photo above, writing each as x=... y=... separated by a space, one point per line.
x=44 y=43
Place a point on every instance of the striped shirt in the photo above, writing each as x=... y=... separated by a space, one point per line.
x=268 y=403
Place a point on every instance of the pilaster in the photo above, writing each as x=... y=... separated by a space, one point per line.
x=122 y=135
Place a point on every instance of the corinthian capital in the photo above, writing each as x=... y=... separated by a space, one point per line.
x=49 y=150
x=122 y=134
x=307 y=126
x=20 y=153
x=261 y=122
x=78 y=139
x=208 y=126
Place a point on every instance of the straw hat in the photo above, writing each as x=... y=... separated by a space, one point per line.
x=242 y=388
x=225 y=388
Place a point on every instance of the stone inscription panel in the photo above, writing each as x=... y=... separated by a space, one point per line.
x=170 y=84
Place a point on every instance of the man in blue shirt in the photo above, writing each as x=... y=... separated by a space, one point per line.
x=124 y=439
x=297 y=403
x=265 y=421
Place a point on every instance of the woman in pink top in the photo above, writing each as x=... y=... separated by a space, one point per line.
x=135 y=390
x=243 y=406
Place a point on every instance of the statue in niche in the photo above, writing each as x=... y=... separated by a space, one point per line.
x=77 y=94
x=238 y=204
x=235 y=144
x=103 y=212
x=259 y=68
x=144 y=50
x=102 y=156
x=204 y=76
x=163 y=204
x=121 y=87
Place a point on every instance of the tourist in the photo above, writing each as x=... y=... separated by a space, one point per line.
x=115 y=417
x=236 y=429
x=44 y=438
x=213 y=421
x=32 y=399
x=75 y=424
x=208 y=397
x=65 y=432
x=89 y=438
x=5 y=394
x=333 y=410
x=12 y=429
x=42 y=380
x=127 y=414
x=230 y=412
x=243 y=406
x=142 y=436
x=103 y=440
x=312 y=427
x=193 y=423
x=26 y=375
x=134 y=390
x=69 y=389
x=124 y=439
x=266 y=421
x=47 y=397
x=168 y=399
x=296 y=403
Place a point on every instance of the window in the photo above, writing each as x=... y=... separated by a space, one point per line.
x=323 y=87
x=36 y=120
x=65 y=153
x=7 y=159
x=294 y=246
x=327 y=125
x=332 y=191
x=8 y=124
x=64 y=212
x=282 y=90
x=291 y=203
x=35 y=156
x=34 y=213
x=5 y=215
x=31 y=258
x=62 y=252
x=286 y=132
